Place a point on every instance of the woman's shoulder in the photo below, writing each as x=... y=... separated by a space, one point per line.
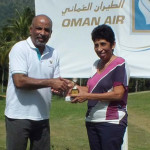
x=96 y=63
x=119 y=60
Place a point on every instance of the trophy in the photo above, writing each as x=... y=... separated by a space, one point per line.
x=73 y=91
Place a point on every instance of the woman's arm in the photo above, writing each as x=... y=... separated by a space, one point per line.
x=115 y=95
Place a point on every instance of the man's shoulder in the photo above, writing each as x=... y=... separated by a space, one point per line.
x=19 y=47
x=20 y=43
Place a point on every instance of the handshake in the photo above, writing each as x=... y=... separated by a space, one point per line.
x=70 y=90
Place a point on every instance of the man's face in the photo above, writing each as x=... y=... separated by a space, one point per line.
x=40 y=31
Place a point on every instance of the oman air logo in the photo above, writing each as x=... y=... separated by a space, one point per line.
x=144 y=6
x=141 y=16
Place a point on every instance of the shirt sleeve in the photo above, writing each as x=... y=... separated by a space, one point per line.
x=120 y=76
x=17 y=60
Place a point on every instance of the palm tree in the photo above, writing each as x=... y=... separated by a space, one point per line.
x=20 y=25
x=5 y=46
x=16 y=31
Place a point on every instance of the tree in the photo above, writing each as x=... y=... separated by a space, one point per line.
x=17 y=30
x=5 y=45
x=20 y=25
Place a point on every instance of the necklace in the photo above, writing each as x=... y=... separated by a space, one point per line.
x=103 y=65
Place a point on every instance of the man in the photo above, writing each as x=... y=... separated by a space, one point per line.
x=33 y=72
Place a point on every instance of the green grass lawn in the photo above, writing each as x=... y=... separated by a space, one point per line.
x=2 y=125
x=68 y=127
x=139 y=121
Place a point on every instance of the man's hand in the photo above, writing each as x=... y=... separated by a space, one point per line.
x=59 y=85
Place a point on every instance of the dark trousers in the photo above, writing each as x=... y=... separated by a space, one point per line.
x=18 y=131
x=105 y=136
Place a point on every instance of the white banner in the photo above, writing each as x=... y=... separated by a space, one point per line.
x=74 y=20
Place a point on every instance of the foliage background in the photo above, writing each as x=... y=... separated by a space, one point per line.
x=8 y=7
x=16 y=17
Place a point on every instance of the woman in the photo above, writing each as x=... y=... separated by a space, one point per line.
x=106 y=92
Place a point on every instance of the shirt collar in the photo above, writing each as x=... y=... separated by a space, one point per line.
x=29 y=41
x=46 y=50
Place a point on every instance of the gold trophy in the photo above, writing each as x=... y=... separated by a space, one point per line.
x=74 y=89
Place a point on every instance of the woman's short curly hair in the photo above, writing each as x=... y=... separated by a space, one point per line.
x=103 y=32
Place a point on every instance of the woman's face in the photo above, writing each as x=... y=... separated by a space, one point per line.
x=103 y=49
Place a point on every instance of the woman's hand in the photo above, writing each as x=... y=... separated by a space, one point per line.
x=78 y=99
x=82 y=96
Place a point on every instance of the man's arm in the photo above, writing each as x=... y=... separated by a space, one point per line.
x=22 y=81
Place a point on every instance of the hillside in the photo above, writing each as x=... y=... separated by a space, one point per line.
x=8 y=9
